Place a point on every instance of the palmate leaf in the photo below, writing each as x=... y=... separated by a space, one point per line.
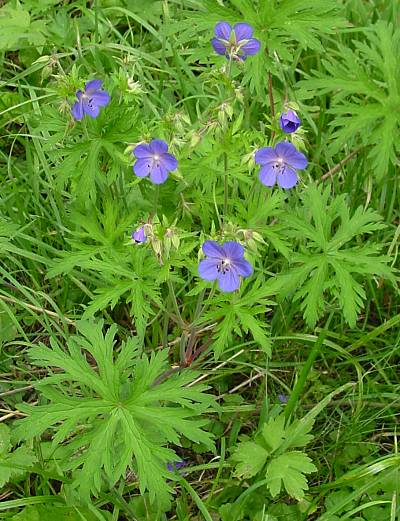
x=288 y=470
x=250 y=458
x=365 y=88
x=270 y=451
x=105 y=408
x=240 y=317
x=325 y=263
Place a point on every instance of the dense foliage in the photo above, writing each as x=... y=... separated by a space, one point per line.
x=199 y=229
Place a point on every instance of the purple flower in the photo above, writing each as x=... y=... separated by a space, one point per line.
x=139 y=236
x=154 y=159
x=176 y=465
x=289 y=121
x=279 y=164
x=90 y=101
x=283 y=398
x=237 y=43
x=226 y=263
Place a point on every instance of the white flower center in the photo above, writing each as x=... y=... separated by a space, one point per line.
x=156 y=157
x=224 y=266
x=279 y=165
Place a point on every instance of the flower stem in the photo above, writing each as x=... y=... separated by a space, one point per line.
x=175 y=304
x=299 y=386
x=96 y=21
x=253 y=187
x=226 y=187
x=157 y=193
x=85 y=130
x=271 y=97
x=192 y=336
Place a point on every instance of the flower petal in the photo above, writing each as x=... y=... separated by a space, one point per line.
x=158 y=174
x=93 y=85
x=291 y=155
x=208 y=269
x=289 y=121
x=158 y=147
x=223 y=30
x=251 y=47
x=228 y=281
x=265 y=155
x=243 y=31
x=77 y=110
x=233 y=250
x=90 y=109
x=244 y=268
x=267 y=175
x=291 y=115
x=169 y=162
x=100 y=98
x=288 y=126
x=142 y=167
x=214 y=250
x=219 y=47
x=287 y=178
x=139 y=235
x=143 y=150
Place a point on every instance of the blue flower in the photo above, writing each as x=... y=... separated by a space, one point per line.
x=139 y=235
x=176 y=465
x=283 y=398
x=225 y=263
x=237 y=43
x=90 y=101
x=289 y=121
x=154 y=159
x=280 y=164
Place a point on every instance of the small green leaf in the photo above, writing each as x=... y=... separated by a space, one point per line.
x=273 y=432
x=5 y=444
x=250 y=458
x=15 y=464
x=288 y=470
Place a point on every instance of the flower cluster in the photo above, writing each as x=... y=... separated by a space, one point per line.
x=225 y=262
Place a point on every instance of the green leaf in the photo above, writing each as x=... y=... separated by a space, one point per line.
x=250 y=458
x=289 y=470
x=51 y=512
x=326 y=264
x=5 y=443
x=106 y=410
x=273 y=432
x=14 y=23
x=363 y=84
x=15 y=464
